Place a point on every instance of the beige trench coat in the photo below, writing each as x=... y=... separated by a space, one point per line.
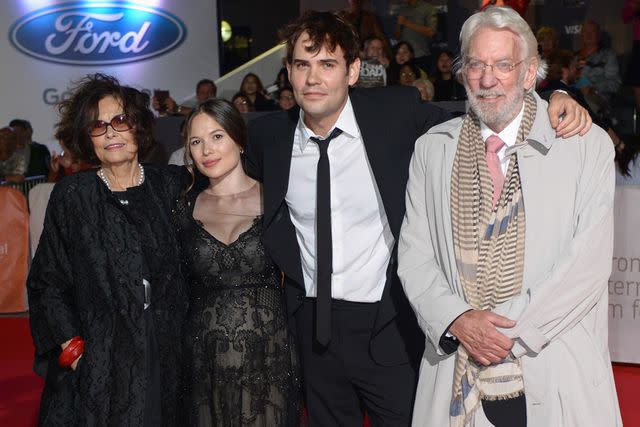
x=561 y=313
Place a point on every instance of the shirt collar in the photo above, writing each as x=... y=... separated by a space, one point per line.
x=508 y=134
x=346 y=123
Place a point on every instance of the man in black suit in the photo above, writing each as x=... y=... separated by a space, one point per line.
x=360 y=348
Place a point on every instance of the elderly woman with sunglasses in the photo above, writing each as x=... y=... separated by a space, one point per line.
x=106 y=295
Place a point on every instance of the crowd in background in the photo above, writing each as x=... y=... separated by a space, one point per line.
x=409 y=57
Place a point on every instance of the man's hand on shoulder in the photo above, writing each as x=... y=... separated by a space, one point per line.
x=567 y=117
x=477 y=332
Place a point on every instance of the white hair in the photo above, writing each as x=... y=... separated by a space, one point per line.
x=503 y=18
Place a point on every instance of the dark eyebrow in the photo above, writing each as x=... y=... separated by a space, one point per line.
x=323 y=61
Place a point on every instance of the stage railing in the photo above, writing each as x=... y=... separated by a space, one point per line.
x=25 y=186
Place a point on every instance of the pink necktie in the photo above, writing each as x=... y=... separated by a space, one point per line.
x=493 y=144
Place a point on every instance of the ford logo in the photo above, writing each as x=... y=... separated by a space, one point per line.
x=103 y=33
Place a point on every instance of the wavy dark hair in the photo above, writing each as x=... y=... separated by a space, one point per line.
x=228 y=116
x=397 y=47
x=324 y=29
x=258 y=82
x=627 y=153
x=77 y=112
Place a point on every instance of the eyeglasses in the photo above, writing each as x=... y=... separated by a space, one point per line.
x=500 y=70
x=119 y=123
x=407 y=74
x=240 y=102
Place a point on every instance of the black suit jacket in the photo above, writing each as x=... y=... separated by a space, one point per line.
x=390 y=120
x=39 y=161
x=576 y=94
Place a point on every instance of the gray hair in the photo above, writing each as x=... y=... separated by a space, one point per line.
x=503 y=18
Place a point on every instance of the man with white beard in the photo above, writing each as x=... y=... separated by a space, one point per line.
x=505 y=250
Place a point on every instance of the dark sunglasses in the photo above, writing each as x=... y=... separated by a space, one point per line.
x=119 y=123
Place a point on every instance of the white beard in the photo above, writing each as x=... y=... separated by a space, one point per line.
x=497 y=115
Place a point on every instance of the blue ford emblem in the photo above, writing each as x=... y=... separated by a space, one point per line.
x=104 y=33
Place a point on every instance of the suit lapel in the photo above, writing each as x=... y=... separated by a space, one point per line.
x=277 y=164
x=375 y=136
x=279 y=234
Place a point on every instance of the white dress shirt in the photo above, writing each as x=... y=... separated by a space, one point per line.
x=508 y=136
x=361 y=237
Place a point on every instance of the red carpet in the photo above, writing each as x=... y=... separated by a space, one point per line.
x=20 y=388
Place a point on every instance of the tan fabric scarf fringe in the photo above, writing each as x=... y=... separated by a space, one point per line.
x=489 y=249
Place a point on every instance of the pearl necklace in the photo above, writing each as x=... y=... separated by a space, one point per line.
x=104 y=179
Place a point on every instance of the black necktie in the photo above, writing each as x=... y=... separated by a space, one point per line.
x=324 y=248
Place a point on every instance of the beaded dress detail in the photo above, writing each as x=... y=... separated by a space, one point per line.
x=241 y=367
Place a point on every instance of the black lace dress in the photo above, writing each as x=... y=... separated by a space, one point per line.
x=241 y=369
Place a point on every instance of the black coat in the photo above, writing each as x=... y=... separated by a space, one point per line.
x=86 y=280
x=390 y=120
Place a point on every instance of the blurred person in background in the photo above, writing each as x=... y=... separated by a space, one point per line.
x=373 y=64
x=12 y=165
x=64 y=164
x=598 y=75
x=365 y=22
x=418 y=24
x=286 y=100
x=409 y=72
x=252 y=87
x=205 y=89
x=36 y=155
x=445 y=83
x=561 y=75
x=547 y=46
x=425 y=87
x=403 y=53
x=547 y=41
x=627 y=164
x=242 y=102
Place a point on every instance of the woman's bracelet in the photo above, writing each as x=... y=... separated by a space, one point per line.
x=71 y=352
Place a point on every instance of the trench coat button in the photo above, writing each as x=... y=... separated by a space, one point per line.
x=300 y=297
x=123 y=311
x=169 y=276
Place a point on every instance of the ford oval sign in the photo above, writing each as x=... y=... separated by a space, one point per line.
x=104 y=33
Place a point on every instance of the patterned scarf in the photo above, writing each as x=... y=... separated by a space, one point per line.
x=489 y=249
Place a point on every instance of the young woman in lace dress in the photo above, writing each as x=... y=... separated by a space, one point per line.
x=241 y=368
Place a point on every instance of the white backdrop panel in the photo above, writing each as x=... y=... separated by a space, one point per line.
x=624 y=284
x=30 y=85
